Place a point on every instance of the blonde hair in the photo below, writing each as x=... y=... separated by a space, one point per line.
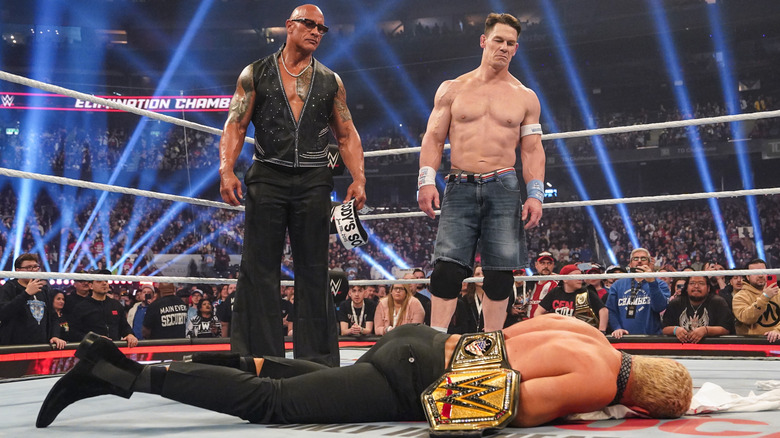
x=661 y=386
x=404 y=305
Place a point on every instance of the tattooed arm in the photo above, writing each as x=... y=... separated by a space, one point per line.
x=349 y=146
x=241 y=106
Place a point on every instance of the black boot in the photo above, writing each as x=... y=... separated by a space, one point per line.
x=102 y=369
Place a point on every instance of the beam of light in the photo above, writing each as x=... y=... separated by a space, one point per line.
x=684 y=103
x=370 y=260
x=422 y=108
x=43 y=57
x=165 y=220
x=563 y=151
x=728 y=84
x=192 y=28
x=575 y=82
x=365 y=28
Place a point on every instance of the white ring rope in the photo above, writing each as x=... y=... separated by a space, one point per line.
x=569 y=204
x=562 y=135
x=368 y=217
x=115 y=189
x=557 y=277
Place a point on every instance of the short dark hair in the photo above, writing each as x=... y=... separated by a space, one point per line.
x=203 y=301
x=754 y=261
x=26 y=257
x=508 y=19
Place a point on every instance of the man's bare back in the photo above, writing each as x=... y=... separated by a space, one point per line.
x=485 y=120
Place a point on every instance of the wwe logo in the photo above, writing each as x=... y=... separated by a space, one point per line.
x=8 y=100
x=335 y=285
x=333 y=159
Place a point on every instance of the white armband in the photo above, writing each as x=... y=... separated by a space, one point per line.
x=427 y=177
x=531 y=129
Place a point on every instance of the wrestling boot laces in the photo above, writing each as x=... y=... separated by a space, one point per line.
x=101 y=370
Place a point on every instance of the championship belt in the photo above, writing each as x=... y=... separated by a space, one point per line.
x=582 y=310
x=478 y=393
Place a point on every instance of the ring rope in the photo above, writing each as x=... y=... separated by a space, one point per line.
x=569 y=204
x=201 y=280
x=562 y=135
x=115 y=189
x=217 y=204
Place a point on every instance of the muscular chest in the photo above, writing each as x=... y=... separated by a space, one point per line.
x=500 y=105
x=297 y=89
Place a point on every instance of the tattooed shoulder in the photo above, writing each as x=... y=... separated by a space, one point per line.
x=239 y=104
x=340 y=103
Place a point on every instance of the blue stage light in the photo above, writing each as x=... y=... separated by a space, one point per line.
x=728 y=84
x=530 y=78
x=684 y=103
x=588 y=116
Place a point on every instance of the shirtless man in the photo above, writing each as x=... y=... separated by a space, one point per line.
x=566 y=367
x=485 y=113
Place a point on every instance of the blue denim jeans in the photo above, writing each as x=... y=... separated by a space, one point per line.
x=484 y=216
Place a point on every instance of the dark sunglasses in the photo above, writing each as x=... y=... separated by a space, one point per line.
x=311 y=24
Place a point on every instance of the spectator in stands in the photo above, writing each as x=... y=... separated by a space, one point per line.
x=137 y=313
x=677 y=286
x=102 y=315
x=697 y=313
x=381 y=292
x=81 y=290
x=225 y=310
x=598 y=283
x=464 y=319
x=612 y=269
x=195 y=296
x=370 y=293
x=473 y=299
x=635 y=304
x=398 y=308
x=166 y=317
x=544 y=266
x=517 y=308
x=222 y=262
x=205 y=324
x=26 y=314
x=572 y=298
x=734 y=285
x=356 y=315
x=60 y=319
x=421 y=288
x=757 y=305
x=288 y=309
x=421 y=292
x=667 y=280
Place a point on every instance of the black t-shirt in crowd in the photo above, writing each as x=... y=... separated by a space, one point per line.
x=349 y=315
x=166 y=318
x=713 y=312
x=560 y=302
x=106 y=318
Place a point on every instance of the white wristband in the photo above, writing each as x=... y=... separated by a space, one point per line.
x=427 y=177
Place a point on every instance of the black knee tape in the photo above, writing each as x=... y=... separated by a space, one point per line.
x=447 y=279
x=498 y=284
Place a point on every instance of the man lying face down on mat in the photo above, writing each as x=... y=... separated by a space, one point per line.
x=525 y=375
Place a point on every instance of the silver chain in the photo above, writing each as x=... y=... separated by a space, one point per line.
x=302 y=71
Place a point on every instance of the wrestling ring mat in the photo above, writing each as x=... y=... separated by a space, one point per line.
x=153 y=416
